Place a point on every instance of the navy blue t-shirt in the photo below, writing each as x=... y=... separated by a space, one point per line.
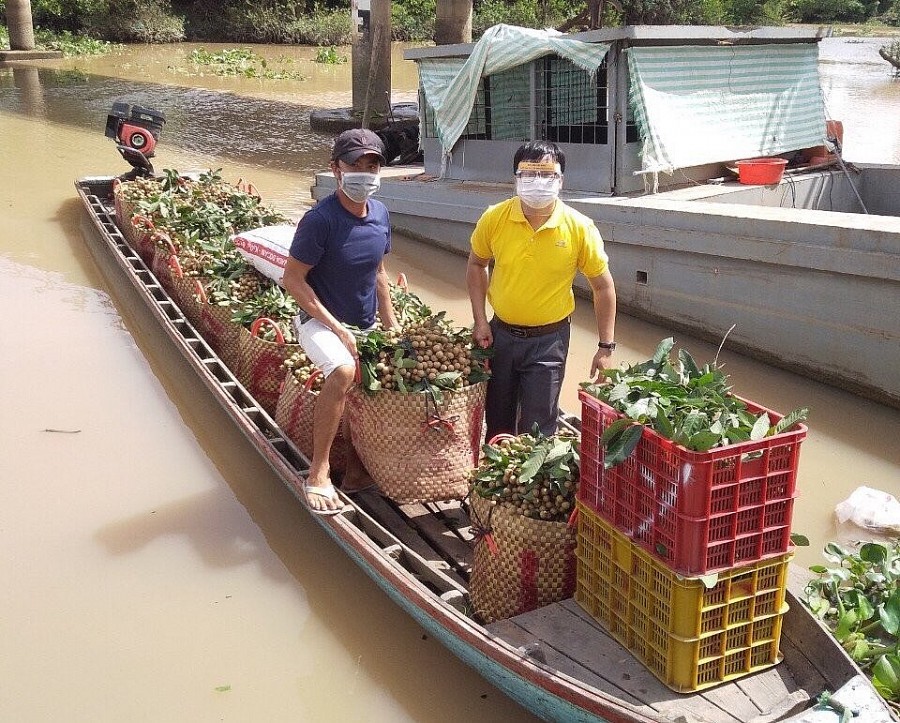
x=345 y=252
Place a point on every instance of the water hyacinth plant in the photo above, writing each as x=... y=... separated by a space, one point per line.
x=858 y=598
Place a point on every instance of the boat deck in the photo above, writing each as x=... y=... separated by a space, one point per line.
x=566 y=638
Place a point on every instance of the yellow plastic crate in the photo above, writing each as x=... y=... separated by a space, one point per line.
x=689 y=635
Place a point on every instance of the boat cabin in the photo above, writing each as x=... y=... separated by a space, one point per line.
x=634 y=108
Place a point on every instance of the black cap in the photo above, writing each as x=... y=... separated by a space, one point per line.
x=356 y=142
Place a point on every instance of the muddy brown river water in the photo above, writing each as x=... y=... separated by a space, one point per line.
x=153 y=568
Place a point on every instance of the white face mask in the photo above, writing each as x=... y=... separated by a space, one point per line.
x=359 y=186
x=538 y=193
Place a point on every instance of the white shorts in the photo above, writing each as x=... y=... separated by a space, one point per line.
x=322 y=345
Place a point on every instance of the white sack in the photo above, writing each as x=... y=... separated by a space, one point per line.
x=266 y=248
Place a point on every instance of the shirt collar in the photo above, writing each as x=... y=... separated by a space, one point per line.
x=554 y=220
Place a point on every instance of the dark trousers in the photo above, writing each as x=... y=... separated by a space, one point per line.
x=526 y=379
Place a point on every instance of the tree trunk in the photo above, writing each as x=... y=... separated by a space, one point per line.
x=453 y=22
x=19 y=24
x=371 y=59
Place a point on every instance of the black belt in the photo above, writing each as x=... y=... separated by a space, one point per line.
x=525 y=332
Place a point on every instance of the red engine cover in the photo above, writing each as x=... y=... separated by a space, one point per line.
x=138 y=138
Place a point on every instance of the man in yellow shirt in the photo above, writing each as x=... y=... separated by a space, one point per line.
x=537 y=244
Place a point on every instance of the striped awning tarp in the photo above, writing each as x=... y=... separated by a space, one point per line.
x=450 y=84
x=696 y=105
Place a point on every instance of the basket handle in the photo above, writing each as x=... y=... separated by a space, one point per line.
x=482 y=530
x=500 y=437
x=162 y=236
x=435 y=422
x=175 y=266
x=402 y=281
x=140 y=220
x=247 y=187
x=258 y=324
x=115 y=184
x=200 y=292
x=307 y=387
x=573 y=518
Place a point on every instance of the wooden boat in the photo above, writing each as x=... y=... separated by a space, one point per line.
x=556 y=661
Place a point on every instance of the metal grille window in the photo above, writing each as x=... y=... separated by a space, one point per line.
x=571 y=106
x=502 y=109
x=563 y=104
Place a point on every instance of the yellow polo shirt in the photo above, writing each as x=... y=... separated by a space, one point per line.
x=531 y=281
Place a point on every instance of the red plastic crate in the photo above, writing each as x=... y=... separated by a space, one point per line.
x=698 y=512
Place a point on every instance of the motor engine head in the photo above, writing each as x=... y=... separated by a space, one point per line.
x=135 y=127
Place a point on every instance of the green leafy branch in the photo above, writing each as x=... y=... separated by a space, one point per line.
x=537 y=474
x=682 y=401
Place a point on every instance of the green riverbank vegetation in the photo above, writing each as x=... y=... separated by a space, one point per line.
x=73 y=26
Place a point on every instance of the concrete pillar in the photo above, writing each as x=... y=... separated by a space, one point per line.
x=28 y=81
x=19 y=24
x=453 y=22
x=371 y=60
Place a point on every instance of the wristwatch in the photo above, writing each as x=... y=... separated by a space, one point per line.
x=608 y=345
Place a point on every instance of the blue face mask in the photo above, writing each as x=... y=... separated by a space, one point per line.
x=358 y=186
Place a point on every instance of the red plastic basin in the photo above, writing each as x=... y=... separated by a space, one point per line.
x=761 y=171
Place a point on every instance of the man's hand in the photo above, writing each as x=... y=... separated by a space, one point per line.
x=600 y=362
x=347 y=339
x=482 y=334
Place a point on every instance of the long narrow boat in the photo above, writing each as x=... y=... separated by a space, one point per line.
x=557 y=661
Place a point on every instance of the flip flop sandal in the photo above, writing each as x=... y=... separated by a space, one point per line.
x=329 y=493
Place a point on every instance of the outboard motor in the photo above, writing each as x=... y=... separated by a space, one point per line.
x=401 y=143
x=135 y=130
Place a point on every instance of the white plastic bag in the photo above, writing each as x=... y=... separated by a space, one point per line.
x=267 y=248
x=871 y=509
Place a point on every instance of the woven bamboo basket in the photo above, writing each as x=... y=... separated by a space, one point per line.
x=124 y=211
x=260 y=363
x=294 y=414
x=135 y=227
x=520 y=564
x=165 y=265
x=215 y=325
x=416 y=450
x=186 y=291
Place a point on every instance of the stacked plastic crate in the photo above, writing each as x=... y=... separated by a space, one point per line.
x=683 y=555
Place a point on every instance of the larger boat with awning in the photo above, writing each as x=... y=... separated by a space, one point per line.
x=653 y=121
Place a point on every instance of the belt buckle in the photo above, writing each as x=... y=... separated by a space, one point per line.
x=519 y=332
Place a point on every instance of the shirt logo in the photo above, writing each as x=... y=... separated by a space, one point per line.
x=561 y=243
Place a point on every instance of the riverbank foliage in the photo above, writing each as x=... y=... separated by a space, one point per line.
x=327 y=22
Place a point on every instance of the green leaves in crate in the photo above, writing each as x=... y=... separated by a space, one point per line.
x=682 y=401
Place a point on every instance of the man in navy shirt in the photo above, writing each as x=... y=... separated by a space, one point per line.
x=336 y=273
